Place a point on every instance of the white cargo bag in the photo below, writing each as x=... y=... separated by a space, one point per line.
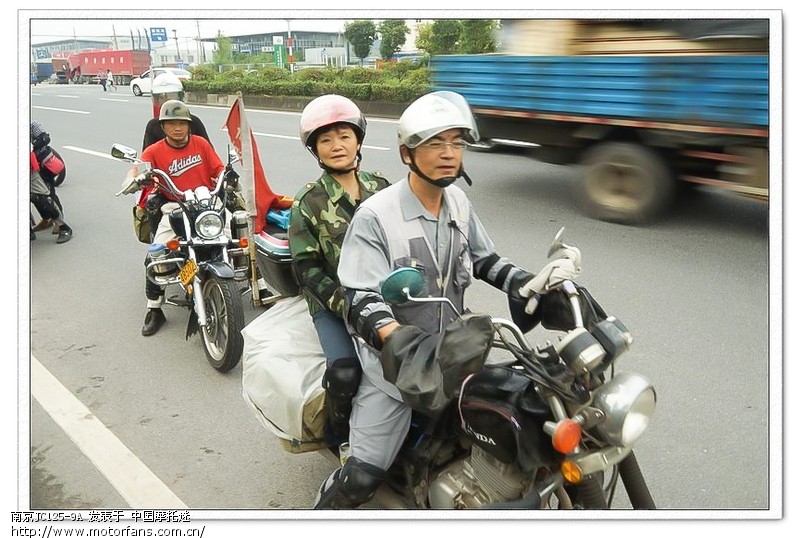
x=282 y=369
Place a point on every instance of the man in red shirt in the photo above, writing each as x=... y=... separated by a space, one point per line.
x=191 y=162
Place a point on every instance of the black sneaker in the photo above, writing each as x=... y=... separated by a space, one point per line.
x=64 y=234
x=153 y=321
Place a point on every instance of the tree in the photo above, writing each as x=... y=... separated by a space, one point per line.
x=393 y=36
x=423 y=41
x=445 y=36
x=361 y=35
x=478 y=36
x=224 y=52
x=467 y=36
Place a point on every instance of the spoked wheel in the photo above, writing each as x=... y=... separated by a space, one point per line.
x=222 y=337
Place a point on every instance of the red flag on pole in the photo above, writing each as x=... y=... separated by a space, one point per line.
x=256 y=190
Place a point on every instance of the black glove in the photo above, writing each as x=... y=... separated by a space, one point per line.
x=517 y=303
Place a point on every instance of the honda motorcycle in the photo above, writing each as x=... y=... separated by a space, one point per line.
x=548 y=426
x=201 y=260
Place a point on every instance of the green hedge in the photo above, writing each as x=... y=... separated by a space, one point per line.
x=397 y=83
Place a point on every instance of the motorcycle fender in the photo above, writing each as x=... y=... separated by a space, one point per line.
x=219 y=269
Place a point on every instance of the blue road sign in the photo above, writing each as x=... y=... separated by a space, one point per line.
x=158 y=34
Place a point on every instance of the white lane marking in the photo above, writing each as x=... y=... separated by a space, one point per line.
x=114 y=100
x=69 y=96
x=90 y=152
x=137 y=484
x=61 y=109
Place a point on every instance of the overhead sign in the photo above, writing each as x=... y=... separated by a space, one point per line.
x=158 y=34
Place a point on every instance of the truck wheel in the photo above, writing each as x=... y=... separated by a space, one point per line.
x=625 y=182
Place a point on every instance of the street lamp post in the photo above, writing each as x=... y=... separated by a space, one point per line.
x=175 y=33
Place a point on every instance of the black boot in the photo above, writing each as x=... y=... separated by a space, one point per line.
x=341 y=382
x=153 y=321
x=350 y=487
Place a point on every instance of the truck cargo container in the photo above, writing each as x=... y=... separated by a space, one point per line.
x=643 y=112
x=124 y=64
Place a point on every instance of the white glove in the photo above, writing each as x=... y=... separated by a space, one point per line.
x=566 y=266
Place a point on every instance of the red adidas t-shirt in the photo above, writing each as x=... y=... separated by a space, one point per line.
x=189 y=167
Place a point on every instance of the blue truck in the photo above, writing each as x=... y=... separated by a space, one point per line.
x=44 y=69
x=641 y=127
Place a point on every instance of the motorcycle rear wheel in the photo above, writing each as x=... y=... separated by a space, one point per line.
x=222 y=337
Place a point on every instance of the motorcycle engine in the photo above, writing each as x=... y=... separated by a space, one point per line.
x=475 y=481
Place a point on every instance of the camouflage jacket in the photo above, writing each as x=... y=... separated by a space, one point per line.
x=320 y=215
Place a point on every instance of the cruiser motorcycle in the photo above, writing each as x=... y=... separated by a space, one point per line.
x=548 y=426
x=204 y=262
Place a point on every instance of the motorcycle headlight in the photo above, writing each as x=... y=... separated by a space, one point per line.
x=208 y=225
x=628 y=401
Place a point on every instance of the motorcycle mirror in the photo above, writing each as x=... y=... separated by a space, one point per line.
x=118 y=151
x=402 y=284
x=557 y=243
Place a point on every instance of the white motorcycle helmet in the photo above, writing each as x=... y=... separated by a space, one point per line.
x=166 y=87
x=435 y=113
x=430 y=115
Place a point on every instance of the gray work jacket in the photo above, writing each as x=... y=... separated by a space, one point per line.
x=392 y=229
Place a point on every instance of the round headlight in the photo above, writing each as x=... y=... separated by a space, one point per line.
x=208 y=225
x=628 y=401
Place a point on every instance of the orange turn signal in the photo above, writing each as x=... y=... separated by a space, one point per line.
x=174 y=244
x=571 y=472
x=243 y=242
x=567 y=436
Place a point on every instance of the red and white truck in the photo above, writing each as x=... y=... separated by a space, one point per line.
x=124 y=64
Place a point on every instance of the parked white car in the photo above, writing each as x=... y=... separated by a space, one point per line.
x=143 y=83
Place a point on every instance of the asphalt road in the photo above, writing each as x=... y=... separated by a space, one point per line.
x=693 y=288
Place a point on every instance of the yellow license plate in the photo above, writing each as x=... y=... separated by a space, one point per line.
x=188 y=271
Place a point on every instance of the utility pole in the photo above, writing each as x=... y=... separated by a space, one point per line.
x=200 y=42
x=175 y=33
x=289 y=44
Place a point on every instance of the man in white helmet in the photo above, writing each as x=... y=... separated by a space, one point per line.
x=426 y=222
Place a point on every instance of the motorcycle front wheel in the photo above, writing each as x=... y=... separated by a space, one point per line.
x=222 y=337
